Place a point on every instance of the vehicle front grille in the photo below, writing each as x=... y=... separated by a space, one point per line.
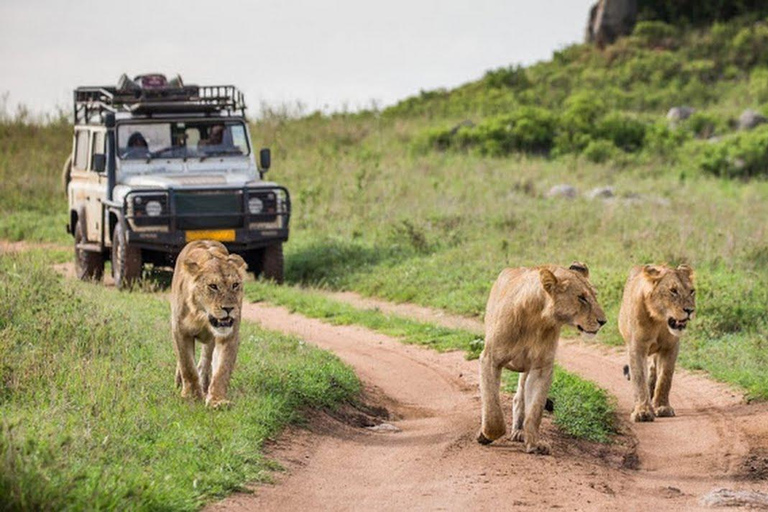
x=209 y=210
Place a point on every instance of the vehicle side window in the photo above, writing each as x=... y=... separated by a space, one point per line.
x=81 y=150
x=97 y=144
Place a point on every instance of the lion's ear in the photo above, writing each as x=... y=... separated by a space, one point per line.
x=191 y=266
x=580 y=267
x=548 y=280
x=238 y=261
x=685 y=270
x=652 y=272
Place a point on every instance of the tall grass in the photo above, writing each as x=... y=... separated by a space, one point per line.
x=89 y=415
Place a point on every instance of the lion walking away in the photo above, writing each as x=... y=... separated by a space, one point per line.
x=526 y=309
x=206 y=300
x=657 y=305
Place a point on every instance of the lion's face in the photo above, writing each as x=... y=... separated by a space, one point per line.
x=218 y=291
x=673 y=297
x=575 y=299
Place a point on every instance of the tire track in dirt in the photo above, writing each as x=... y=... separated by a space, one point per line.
x=703 y=447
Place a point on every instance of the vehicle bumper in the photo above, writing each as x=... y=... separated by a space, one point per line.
x=173 y=242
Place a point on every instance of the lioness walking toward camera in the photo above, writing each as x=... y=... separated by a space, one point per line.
x=658 y=302
x=526 y=309
x=207 y=295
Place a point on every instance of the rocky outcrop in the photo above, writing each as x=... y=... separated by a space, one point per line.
x=609 y=20
x=750 y=119
x=677 y=114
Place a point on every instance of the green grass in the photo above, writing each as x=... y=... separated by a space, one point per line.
x=582 y=409
x=91 y=419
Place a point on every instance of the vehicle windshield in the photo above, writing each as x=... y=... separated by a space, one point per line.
x=181 y=139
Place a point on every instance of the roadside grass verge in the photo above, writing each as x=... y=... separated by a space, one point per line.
x=89 y=415
x=582 y=409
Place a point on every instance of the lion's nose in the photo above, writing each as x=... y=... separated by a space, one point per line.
x=228 y=310
x=602 y=322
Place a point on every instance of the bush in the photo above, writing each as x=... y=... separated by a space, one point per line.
x=655 y=34
x=599 y=151
x=758 y=85
x=513 y=77
x=704 y=125
x=624 y=131
x=742 y=155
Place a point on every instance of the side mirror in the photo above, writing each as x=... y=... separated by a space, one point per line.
x=265 y=159
x=99 y=163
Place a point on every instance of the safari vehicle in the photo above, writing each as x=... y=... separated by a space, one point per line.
x=156 y=164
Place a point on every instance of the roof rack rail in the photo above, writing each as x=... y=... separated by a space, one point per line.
x=155 y=96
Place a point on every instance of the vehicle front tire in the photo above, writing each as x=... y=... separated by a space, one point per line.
x=89 y=265
x=126 y=260
x=272 y=263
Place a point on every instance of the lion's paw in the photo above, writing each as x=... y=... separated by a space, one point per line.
x=517 y=436
x=642 y=413
x=191 y=392
x=538 y=448
x=218 y=403
x=665 y=411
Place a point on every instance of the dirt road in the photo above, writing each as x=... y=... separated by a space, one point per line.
x=433 y=463
x=425 y=456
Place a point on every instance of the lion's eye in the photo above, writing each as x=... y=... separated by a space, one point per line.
x=673 y=291
x=235 y=286
x=693 y=292
x=583 y=299
x=213 y=287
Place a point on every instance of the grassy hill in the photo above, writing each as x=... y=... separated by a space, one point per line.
x=427 y=200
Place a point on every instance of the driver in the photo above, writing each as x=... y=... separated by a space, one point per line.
x=137 y=146
x=215 y=136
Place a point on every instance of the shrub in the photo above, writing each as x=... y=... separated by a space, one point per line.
x=513 y=77
x=624 y=131
x=655 y=34
x=600 y=151
x=704 y=125
x=758 y=84
x=742 y=155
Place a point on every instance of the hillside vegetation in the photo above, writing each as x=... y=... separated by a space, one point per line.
x=428 y=200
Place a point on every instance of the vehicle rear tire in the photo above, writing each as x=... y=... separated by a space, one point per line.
x=89 y=265
x=126 y=260
x=272 y=263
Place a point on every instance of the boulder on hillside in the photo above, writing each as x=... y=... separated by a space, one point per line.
x=750 y=119
x=601 y=193
x=609 y=20
x=565 y=191
x=677 y=114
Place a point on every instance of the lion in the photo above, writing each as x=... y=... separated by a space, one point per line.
x=657 y=305
x=206 y=299
x=526 y=309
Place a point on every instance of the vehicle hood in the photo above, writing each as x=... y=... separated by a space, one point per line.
x=186 y=180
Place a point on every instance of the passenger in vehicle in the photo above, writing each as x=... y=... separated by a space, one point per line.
x=137 y=146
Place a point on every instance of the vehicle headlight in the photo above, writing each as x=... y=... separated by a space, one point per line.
x=153 y=208
x=255 y=205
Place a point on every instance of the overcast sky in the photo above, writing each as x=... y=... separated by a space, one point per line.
x=329 y=55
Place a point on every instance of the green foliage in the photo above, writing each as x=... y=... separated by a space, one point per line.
x=758 y=84
x=512 y=77
x=655 y=34
x=698 y=12
x=90 y=418
x=741 y=155
x=599 y=151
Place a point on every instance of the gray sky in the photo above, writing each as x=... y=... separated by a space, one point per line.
x=328 y=55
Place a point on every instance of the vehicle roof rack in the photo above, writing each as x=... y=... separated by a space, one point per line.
x=148 y=95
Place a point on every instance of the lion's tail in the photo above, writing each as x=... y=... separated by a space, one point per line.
x=626 y=371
